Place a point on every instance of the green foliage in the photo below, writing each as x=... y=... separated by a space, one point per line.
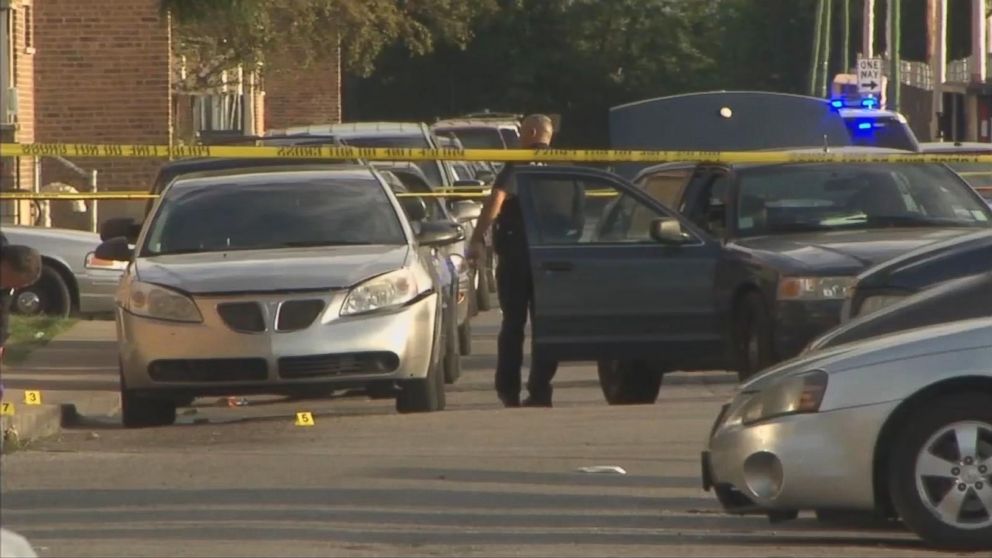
x=215 y=35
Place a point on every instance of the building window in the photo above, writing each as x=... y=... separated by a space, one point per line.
x=28 y=30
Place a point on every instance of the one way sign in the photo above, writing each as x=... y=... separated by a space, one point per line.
x=870 y=76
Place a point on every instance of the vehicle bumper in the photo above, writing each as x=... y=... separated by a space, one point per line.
x=343 y=351
x=97 y=290
x=798 y=323
x=811 y=461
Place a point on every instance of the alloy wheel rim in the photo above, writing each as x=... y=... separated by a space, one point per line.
x=28 y=303
x=954 y=475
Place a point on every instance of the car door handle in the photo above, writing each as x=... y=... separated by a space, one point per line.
x=557 y=266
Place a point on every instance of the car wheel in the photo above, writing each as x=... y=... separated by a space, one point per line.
x=49 y=296
x=627 y=382
x=453 y=358
x=142 y=412
x=380 y=390
x=465 y=338
x=423 y=395
x=483 y=291
x=940 y=472
x=752 y=336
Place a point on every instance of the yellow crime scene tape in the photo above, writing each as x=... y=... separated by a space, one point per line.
x=449 y=154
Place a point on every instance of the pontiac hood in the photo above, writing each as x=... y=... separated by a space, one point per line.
x=330 y=267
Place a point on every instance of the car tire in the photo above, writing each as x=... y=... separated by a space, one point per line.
x=465 y=338
x=380 y=390
x=626 y=382
x=453 y=358
x=752 y=336
x=143 y=412
x=50 y=295
x=423 y=395
x=930 y=433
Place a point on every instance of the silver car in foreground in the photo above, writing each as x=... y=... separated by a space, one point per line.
x=73 y=279
x=293 y=282
x=900 y=425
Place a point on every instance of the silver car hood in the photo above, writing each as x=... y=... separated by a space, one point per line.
x=271 y=270
x=946 y=337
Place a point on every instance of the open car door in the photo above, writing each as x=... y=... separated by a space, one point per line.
x=616 y=274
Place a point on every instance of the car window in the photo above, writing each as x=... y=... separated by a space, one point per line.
x=582 y=210
x=263 y=215
x=711 y=211
x=667 y=186
x=431 y=169
x=510 y=137
x=880 y=132
x=978 y=175
x=791 y=198
x=413 y=184
x=478 y=138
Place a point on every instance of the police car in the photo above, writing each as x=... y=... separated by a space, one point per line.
x=871 y=126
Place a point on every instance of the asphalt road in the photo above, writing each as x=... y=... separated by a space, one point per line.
x=475 y=480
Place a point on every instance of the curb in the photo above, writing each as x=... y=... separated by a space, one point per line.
x=30 y=424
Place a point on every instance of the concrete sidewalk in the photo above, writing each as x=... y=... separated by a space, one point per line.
x=75 y=375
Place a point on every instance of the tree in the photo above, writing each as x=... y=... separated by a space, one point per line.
x=573 y=57
x=213 y=35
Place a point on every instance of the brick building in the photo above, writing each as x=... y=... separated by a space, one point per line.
x=101 y=71
x=17 y=104
x=297 y=98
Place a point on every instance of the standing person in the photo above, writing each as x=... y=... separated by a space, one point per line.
x=514 y=284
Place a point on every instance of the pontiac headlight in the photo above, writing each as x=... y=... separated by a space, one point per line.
x=792 y=395
x=160 y=303
x=386 y=291
x=814 y=288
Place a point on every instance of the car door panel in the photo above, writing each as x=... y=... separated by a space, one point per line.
x=603 y=295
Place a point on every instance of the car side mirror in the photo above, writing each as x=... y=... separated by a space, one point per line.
x=466 y=183
x=414 y=207
x=115 y=250
x=440 y=233
x=120 y=227
x=486 y=177
x=465 y=210
x=669 y=231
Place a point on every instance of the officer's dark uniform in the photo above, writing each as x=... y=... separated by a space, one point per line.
x=515 y=287
x=5 y=300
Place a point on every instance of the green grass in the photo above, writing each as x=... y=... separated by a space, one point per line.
x=30 y=333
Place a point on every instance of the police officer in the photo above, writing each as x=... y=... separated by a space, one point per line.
x=513 y=277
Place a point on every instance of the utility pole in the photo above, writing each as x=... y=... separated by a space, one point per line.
x=814 y=63
x=868 y=29
x=938 y=63
x=894 y=7
x=845 y=51
x=825 y=63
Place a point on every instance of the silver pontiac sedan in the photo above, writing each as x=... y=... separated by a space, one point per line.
x=899 y=425
x=280 y=281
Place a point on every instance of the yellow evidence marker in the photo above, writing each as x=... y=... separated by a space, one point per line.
x=32 y=397
x=304 y=419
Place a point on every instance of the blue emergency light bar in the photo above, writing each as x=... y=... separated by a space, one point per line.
x=867 y=102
